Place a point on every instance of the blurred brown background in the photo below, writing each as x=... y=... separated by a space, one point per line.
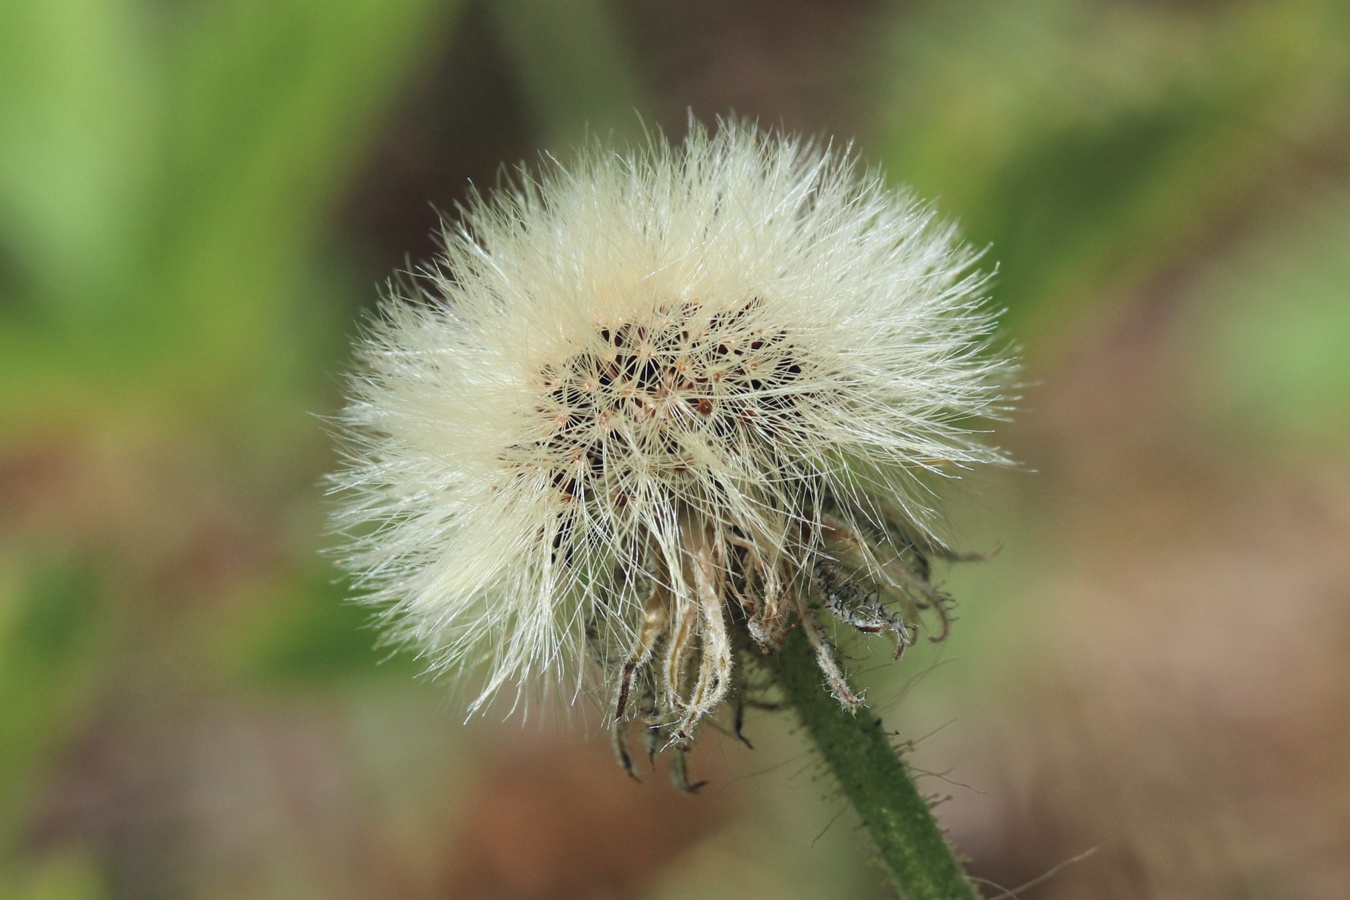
x=197 y=199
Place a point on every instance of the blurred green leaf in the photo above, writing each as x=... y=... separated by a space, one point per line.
x=275 y=103
x=1268 y=334
x=66 y=874
x=50 y=634
x=1092 y=144
x=76 y=137
x=574 y=67
x=193 y=284
x=314 y=633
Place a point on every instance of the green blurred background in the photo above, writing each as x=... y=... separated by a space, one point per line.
x=198 y=199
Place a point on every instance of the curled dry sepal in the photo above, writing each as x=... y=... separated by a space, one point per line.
x=653 y=410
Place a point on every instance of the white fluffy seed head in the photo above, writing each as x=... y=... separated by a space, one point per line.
x=734 y=337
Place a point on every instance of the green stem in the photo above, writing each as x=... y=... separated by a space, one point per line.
x=874 y=778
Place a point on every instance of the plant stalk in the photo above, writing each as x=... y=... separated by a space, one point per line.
x=875 y=779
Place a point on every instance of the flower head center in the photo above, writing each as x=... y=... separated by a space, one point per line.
x=666 y=398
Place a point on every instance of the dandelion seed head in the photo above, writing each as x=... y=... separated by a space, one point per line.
x=649 y=401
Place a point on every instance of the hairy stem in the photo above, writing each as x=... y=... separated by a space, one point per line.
x=874 y=778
